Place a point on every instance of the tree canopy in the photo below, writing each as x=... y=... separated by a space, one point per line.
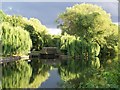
x=20 y=34
x=15 y=40
x=87 y=21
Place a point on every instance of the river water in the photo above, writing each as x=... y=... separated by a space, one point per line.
x=41 y=73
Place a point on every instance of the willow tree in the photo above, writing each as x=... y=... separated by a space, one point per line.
x=38 y=32
x=87 y=21
x=15 y=40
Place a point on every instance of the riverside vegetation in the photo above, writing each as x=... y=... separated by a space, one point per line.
x=88 y=34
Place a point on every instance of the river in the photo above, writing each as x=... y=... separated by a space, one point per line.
x=41 y=73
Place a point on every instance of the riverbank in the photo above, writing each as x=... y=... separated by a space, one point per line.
x=16 y=58
x=12 y=58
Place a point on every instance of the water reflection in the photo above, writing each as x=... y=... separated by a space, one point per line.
x=71 y=69
x=93 y=73
x=22 y=74
x=39 y=73
x=54 y=80
x=78 y=74
x=16 y=75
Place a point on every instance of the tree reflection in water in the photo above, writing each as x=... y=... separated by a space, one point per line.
x=90 y=74
x=20 y=74
x=16 y=74
x=93 y=73
x=39 y=73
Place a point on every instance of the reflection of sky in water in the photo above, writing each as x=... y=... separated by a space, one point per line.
x=53 y=81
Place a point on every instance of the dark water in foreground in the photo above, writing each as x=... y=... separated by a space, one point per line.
x=94 y=73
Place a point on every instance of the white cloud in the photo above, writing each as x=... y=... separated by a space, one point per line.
x=54 y=31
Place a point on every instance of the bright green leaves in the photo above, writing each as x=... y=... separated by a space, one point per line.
x=15 y=40
x=91 y=23
x=83 y=20
x=2 y=16
x=119 y=39
x=77 y=47
x=38 y=33
x=22 y=32
x=96 y=62
x=95 y=49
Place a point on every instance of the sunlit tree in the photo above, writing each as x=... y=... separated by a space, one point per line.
x=87 y=21
x=38 y=32
x=15 y=40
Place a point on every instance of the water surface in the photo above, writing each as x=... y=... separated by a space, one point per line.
x=94 y=73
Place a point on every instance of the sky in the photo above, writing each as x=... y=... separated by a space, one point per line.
x=47 y=12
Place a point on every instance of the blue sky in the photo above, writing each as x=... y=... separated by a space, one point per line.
x=47 y=12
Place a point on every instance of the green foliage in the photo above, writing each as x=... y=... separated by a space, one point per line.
x=56 y=40
x=2 y=16
x=119 y=39
x=86 y=21
x=92 y=24
x=38 y=32
x=112 y=39
x=78 y=47
x=15 y=40
x=35 y=37
x=14 y=20
x=111 y=46
x=95 y=49
x=67 y=44
x=96 y=62
x=107 y=77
